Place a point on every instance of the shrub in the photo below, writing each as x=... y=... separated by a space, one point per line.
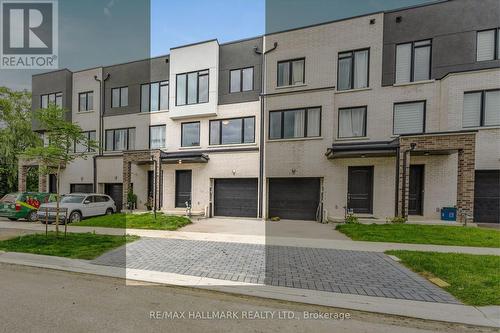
x=275 y=219
x=397 y=220
x=351 y=219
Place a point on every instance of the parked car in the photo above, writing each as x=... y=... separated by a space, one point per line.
x=76 y=206
x=23 y=205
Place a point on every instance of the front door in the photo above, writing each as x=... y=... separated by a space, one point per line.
x=52 y=183
x=360 y=189
x=182 y=188
x=416 y=192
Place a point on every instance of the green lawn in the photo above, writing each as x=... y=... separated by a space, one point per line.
x=422 y=234
x=473 y=279
x=75 y=245
x=136 y=221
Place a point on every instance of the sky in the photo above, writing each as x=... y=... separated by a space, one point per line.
x=103 y=32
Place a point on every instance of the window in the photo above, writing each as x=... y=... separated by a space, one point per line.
x=120 y=139
x=413 y=61
x=154 y=96
x=86 y=101
x=80 y=147
x=192 y=88
x=409 y=118
x=157 y=136
x=298 y=123
x=232 y=131
x=353 y=69
x=481 y=108
x=51 y=99
x=190 y=134
x=291 y=72
x=241 y=80
x=488 y=45
x=352 y=122
x=119 y=97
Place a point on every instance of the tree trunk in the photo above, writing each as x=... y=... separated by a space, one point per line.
x=58 y=199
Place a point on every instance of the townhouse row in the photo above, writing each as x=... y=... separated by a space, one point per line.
x=388 y=114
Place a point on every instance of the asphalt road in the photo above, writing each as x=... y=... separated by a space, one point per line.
x=40 y=300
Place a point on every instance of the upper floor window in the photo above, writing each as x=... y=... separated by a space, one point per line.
x=481 y=108
x=192 y=88
x=352 y=122
x=291 y=72
x=297 y=123
x=190 y=134
x=232 y=131
x=51 y=99
x=413 y=61
x=409 y=118
x=86 y=101
x=157 y=136
x=241 y=80
x=119 y=97
x=488 y=45
x=154 y=96
x=120 y=139
x=353 y=69
x=80 y=147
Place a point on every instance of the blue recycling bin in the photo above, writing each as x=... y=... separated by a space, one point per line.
x=448 y=214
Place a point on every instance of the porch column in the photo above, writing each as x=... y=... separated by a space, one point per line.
x=22 y=173
x=404 y=180
x=157 y=175
x=127 y=175
x=42 y=182
x=465 y=181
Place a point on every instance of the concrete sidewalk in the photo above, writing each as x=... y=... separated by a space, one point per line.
x=454 y=313
x=259 y=239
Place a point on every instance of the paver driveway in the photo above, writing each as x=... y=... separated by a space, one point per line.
x=351 y=272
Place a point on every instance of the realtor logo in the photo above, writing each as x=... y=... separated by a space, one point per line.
x=29 y=36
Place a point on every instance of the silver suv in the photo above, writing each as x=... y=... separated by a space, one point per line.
x=77 y=206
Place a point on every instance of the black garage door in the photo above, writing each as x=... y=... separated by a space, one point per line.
x=115 y=191
x=80 y=188
x=235 y=197
x=487 y=196
x=294 y=198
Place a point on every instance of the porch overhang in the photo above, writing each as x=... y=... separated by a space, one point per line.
x=363 y=149
x=183 y=157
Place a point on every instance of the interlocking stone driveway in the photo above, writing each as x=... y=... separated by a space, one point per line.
x=341 y=271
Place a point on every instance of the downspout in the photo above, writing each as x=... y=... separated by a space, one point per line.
x=102 y=84
x=262 y=117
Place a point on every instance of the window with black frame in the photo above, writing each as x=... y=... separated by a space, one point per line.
x=157 y=134
x=291 y=72
x=192 y=88
x=80 y=147
x=120 y=139
x=190 y=134
x=154 y=96
x=86 y=101
x=352 y=122
x=481 y=108
x=119 y=97
x=409 y=117
x=413 y=61
x=241 y=80
x=232 y=131
x=51 y=99
x=353 y=69
x=488 y=45
x=296 y=123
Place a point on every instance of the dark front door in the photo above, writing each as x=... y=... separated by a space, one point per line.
x=115 y=191
x=235 y=197
x=294 y=198
x=182 y=188
x=416 y=192
x=52 y=183
x=151 y=184
x=360 y=189
x=487 y=196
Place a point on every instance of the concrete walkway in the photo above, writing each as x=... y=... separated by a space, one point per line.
x=268 y=240
x=455 y=313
